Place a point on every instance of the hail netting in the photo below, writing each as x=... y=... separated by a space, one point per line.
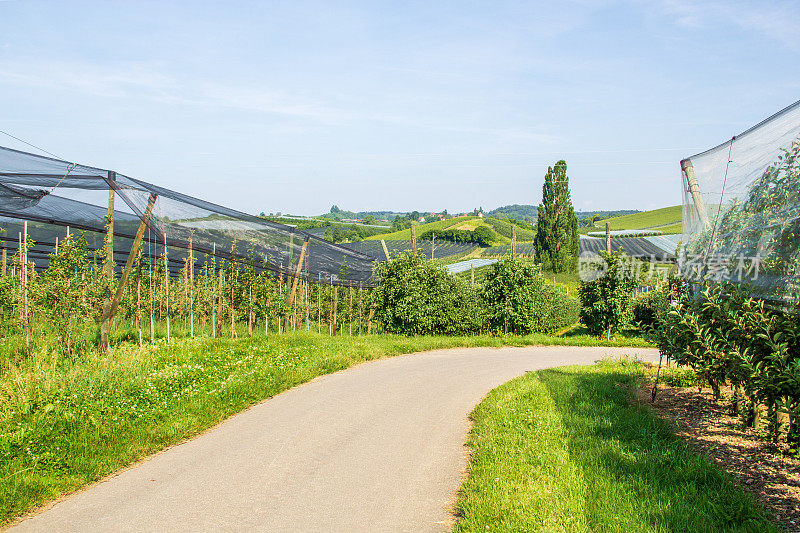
x=52 y=195
x=741 y=208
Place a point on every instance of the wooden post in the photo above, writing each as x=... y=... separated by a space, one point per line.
x=219 y=302
x=360 y=305
x=513 y=241
x=335 y=305
x=472 y=274
x=385 y=250
x=319 y=304
x=694 y=190
x=432 y=244
x=166 y=285
x=414 y=239
x=139 y=296
x=213 y=291
x=191 y=289
x=369 y=320
x=108 y=267
x=350 y=313
x=110 y=311
x=297 y=271
x=250 y=311
x=5 y=259
x=608 y=237
x=25 y=322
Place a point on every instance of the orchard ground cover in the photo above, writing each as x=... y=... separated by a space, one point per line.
x=565 y=449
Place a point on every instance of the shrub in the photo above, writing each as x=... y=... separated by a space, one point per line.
x=417 y=298
x=516 y=296
x=606 y=301
x=648 y=307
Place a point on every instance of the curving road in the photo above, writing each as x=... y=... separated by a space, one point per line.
x=377 y=447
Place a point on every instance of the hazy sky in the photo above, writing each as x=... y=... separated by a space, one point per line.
x=294 y=106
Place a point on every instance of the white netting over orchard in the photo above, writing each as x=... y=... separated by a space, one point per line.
x=52 y=195
x=741 y=209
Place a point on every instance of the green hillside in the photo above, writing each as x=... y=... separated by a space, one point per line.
x=502 y=228
x=404 y=235
x=666 y=219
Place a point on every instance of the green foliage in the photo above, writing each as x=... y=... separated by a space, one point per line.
x=648 y=307
x=728 y=336
x=417 y=298
x=606 y=301
x=350 y=233
x=482 y=235
x=655 y=219
x=518 y=298
x=525 y=232
x=557 y=226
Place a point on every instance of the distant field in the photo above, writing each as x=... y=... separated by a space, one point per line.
x=667 y=220
x=449 y=250
x=406 y=233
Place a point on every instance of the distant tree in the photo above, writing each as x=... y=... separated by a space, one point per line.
x=556 y=243
x=484 y=235
x=369 y=219
x=335 y=208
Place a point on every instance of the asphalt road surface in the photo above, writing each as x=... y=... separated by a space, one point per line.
x=377 y=447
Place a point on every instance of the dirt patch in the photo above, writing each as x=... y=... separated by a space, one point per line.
x=708 y=426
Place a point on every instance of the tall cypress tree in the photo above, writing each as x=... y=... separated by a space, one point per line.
x=556 y=244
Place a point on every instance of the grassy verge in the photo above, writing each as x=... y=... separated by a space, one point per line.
x=565 y=450
x=65 y=423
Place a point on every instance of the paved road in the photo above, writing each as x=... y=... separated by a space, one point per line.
x=378 y=447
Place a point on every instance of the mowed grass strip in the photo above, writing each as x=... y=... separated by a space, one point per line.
x=65 y=423
x=565 y=450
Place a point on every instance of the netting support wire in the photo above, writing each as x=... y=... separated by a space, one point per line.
x=721 y=196
x=290 y=295
x=694 y=190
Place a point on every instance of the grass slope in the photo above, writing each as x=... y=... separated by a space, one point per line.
x=67 y=423
x=405 y=234
x=564 y=450
x=666 y=219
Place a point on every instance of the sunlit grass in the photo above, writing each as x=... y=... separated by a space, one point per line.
x=566 y=450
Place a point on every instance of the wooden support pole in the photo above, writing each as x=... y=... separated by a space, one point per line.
x=109 y=314
x=25 y=322
x=513 y=241
x=297 y=271
x=414 y=240
x=433 y=247
x=191 y=289
x=108 y=267
x=5 y=259
x=350 y=313
x=608 y=237
x=385 y=250
x=335 y=306
x=369 y=320
x=219 y=302
x=139 y=296
x=166 y=286
x=694 y=190
x=319 y=304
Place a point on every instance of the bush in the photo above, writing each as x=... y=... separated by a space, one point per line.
x=648 y=307
x=417 y=298
x=516 y=296
x=606 y=301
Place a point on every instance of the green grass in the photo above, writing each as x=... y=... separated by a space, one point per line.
x=565 y=450
x=667 y=220
x=65 y=423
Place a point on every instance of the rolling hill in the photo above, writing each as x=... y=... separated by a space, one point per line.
x=666 y=220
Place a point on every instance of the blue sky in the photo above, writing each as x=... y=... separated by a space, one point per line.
x=294 y=106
